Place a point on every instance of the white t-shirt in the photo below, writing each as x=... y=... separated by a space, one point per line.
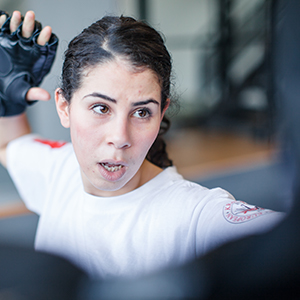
x=166 y=222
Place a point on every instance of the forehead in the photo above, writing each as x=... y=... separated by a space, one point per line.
x=118 y=75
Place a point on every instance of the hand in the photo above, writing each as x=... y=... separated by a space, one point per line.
x=27 y=30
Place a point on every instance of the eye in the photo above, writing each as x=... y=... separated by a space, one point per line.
x=142 y=113
x=100 y=109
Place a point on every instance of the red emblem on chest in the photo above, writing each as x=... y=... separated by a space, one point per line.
x=52 y=144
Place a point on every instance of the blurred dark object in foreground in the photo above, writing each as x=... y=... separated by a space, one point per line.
x=28 y=275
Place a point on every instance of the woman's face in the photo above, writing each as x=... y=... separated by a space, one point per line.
x=114 y=118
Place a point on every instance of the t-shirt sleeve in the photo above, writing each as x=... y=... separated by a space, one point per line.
x=223 y=219
x=30 y=165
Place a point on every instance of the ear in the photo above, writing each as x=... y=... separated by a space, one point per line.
x=165 y=108
x=62 y=107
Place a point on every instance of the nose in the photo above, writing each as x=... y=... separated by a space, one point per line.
x=119 y=134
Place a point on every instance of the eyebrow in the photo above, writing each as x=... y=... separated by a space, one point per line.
x=98 y=95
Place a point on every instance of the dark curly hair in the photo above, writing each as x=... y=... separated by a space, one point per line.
x=131 y=40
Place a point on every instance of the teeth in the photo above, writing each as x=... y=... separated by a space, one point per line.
x=112 y=169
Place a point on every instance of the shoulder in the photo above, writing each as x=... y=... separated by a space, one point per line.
x=33 y=146
x=177 y=185
x=175 y=193
x=35 y=155
x=33 y=140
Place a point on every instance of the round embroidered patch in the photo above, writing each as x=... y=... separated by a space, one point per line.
x=241 y=212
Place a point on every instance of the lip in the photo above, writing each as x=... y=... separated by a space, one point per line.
x=112 y=176
x=113 y=162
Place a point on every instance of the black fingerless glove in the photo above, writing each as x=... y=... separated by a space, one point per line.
x=23 y=64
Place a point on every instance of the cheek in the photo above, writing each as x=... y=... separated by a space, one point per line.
x=82 y=136
x=78 y=133
x=146 y=138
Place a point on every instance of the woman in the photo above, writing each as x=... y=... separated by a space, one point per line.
x=111 y=202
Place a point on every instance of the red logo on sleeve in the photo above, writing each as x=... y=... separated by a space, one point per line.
x=240 y=212
x=52 y=144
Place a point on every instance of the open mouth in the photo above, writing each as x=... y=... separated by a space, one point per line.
x=111 y=167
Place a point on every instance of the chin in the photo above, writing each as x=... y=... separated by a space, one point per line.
x=106 y=190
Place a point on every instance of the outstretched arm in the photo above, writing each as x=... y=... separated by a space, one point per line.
x=13 y=127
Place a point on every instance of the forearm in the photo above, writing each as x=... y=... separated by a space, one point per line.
x=10 y=129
